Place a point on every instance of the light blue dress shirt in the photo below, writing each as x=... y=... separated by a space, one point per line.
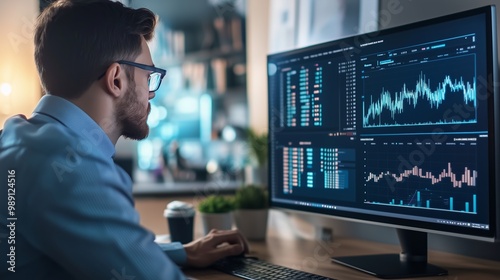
x=74 y=215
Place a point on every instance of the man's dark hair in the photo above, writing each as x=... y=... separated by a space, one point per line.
x=77 y=40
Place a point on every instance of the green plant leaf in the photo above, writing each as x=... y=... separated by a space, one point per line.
x=251 y=197
x=216 y=204
x=258 y=145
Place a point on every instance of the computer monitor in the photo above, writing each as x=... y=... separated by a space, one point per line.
x=398 y=127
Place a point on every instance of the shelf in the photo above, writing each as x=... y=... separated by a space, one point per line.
x=203 y=56
x=239 y=91
x=189 y=188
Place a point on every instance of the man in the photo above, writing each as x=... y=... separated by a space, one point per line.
x=66 y=208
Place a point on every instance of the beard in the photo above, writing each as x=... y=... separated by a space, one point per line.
x=132 y=116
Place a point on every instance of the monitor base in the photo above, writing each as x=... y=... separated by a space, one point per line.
x=389 y=266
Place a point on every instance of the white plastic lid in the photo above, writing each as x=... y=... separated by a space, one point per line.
x=179 y=209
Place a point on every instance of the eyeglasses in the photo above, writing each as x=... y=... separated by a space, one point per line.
x=155 y=78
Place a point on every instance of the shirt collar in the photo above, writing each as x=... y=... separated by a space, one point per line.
x=77 y=120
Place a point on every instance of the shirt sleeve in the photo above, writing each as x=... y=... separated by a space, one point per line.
x=83 y=218
x=175 y=251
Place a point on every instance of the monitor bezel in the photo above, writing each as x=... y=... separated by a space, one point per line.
x=490 y=235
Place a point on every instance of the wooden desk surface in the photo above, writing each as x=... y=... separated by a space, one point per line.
x=314 y=256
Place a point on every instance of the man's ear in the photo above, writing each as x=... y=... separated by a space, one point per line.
x=115 y=80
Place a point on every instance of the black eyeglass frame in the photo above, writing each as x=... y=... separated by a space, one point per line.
x=154 y=70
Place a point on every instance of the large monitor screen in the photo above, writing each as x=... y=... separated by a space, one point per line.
x=397 y=127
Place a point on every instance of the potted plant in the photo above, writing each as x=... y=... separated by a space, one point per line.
x=250 y=215
x=215 y=212
x=258 y=145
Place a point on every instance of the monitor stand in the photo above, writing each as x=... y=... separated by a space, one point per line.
x=411 y=262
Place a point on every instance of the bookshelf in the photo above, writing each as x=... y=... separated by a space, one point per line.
x=202 y=95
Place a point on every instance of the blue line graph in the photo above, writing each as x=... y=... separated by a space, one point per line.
x=420 y=96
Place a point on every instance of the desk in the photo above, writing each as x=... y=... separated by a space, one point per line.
x=314 y=256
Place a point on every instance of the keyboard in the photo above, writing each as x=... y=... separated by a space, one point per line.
x=254 y=269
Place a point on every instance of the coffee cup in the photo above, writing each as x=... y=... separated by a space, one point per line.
x=180 y=220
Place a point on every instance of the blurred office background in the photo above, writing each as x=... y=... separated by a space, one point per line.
x=199 y=116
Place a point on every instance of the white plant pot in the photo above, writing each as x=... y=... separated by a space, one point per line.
x=216 y=221
x=252 y=223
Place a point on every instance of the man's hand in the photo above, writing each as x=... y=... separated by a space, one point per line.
x=217 y=244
